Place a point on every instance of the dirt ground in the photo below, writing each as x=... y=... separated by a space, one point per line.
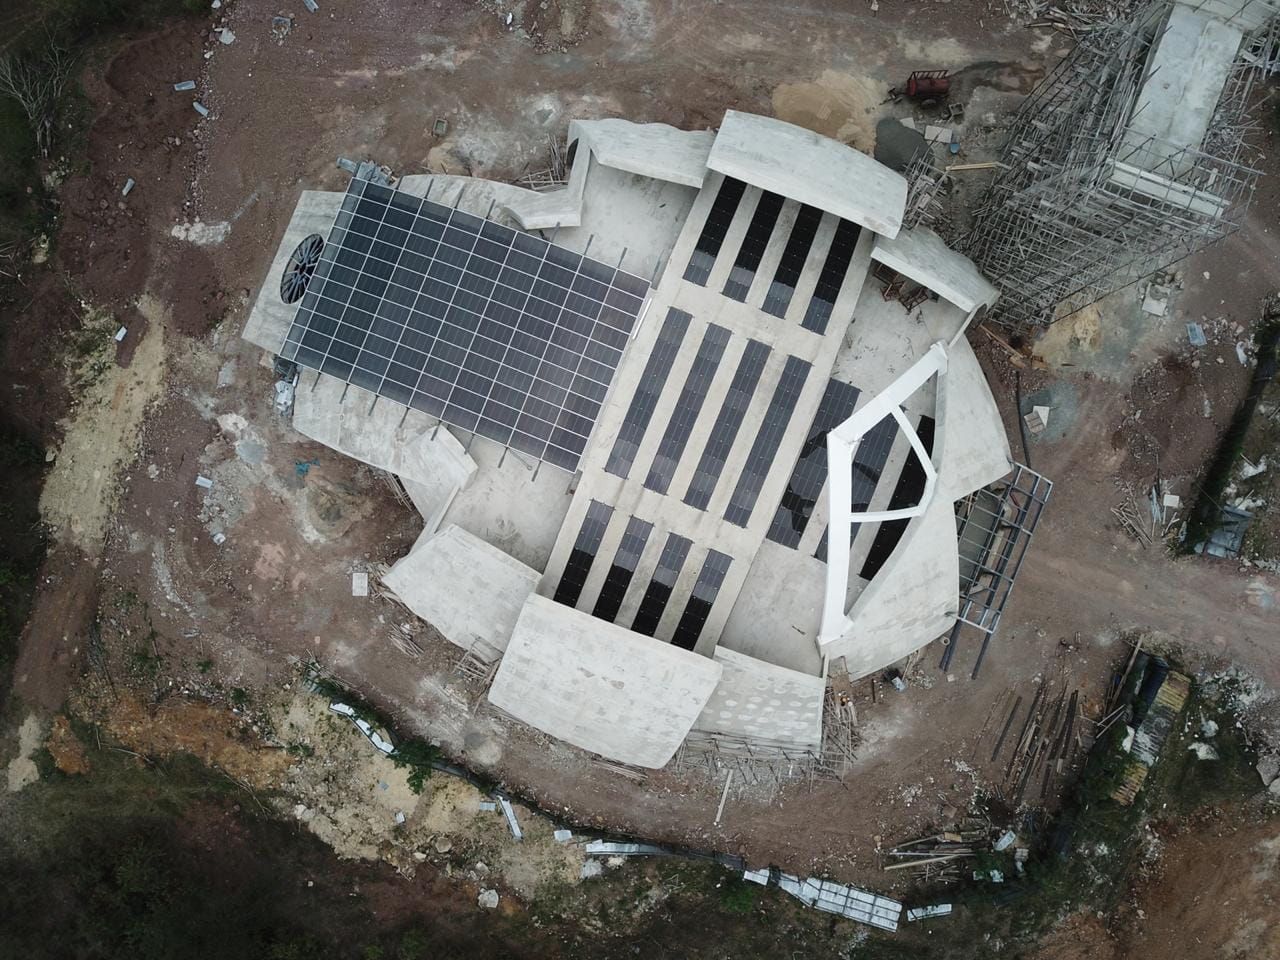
x=188 y=251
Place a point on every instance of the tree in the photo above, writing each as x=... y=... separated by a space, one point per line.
x=37 y=82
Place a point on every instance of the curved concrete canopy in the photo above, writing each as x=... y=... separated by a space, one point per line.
x=802 y=165
x=654 y=150
x=921 y=255
x=599 y=686
x=462 y=586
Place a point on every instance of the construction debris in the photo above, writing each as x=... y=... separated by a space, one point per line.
x=1091 y=201
x=935 y=857
x=926 y=913
x=509 y=812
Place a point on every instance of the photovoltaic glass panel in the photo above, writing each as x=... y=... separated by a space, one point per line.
x=868 y=463
x=490 y=330
x=645 y=400
x=702 y=600
x=707 y=247
x=772 y=428
x=618 y=579
x=791 y=265
x=656 y=595
x=759 y=230
x=687 y=408
x=810 y=473
x=907 y=493
x=725 y=431
x=583 y=553
x=831 y=279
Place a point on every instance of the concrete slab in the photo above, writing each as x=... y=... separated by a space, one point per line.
x=805 y=166
x=463 y=587
x=600 y=687
x=652 y=150
x=1184 y=77
x=920 y=254
x=271 y=317
x=345 y=418
x=779 y=609
x=913 y=600
x=515 y=507
x=756 y=700
x=971 y=448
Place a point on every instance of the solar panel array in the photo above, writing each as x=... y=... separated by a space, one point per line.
x=488 y=329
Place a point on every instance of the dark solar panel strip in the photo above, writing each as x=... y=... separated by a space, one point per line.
x=753 y=246
x=623 y=568
x=707 y=247
x=313 y=347
x=329 y=257
x=791 y=265
x=810 y=473
x=654 y=378
x=765 y=447
x=868 y=463
x=905 y=494
x=831 y=279
x=702 y=600
x=496 y=332
x=725 y=431
x=687 y=408
x=583 y=553
x=656 y=595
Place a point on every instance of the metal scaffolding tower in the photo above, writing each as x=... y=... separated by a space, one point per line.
x=1087 y=204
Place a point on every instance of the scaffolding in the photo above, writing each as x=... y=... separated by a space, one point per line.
x=759 y=762
x=1086 y=204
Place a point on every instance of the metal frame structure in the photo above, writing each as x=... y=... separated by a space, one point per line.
x=842 y=445
x=999 y=520
x=1085 y=207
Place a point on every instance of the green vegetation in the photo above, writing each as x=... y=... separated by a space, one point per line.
x=739 y=896
x=420 y=757
x=1208 y=506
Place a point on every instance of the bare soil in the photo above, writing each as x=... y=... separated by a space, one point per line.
x=369 y=82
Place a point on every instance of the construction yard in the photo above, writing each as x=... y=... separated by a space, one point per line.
x=196 y=596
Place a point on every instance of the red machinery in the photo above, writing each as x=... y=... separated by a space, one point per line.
x=928 y=85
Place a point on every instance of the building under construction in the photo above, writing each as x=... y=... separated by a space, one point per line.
x=1132 y=154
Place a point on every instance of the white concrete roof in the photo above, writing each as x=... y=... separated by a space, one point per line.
x=1184 y=78
x=913 y=600
x=756 y=700
x=382 y=435
x=463 y=587
x=800 y=164
x=271 y=317
x=971 y=448
x=920 y=254
x=1243 y=14
x=599 y=686
x=655 y=150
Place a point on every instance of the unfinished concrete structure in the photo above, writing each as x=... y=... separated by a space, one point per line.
x=619 y=434
x=1130 y=155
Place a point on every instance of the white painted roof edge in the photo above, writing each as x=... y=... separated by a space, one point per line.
x=802 y=165
x=921 y=255
x=655 y=150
